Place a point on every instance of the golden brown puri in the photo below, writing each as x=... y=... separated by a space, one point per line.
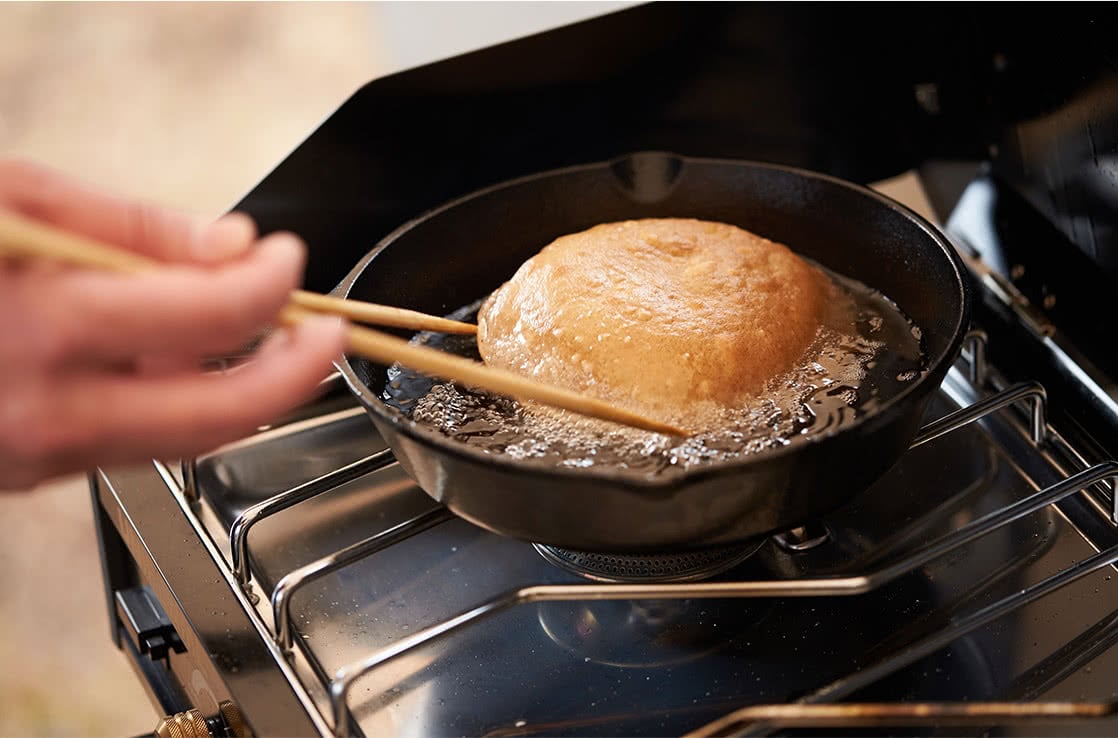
x=662 y=316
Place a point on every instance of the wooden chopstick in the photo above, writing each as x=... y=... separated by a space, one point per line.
x=27 y=238
x=369 y=312
x=386 y=349
x=23 y=237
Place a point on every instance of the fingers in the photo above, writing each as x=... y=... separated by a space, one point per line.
x=94 y=318
x=162 y=233
x=112 y=419
x=229 y=237
x=95 y=363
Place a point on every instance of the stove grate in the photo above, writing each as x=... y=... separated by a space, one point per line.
x=809 y=710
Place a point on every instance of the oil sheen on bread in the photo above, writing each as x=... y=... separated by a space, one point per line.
x=677 y=318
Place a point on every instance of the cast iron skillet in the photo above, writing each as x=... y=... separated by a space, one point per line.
x=462 y=251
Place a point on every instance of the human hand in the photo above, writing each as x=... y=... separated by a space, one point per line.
x=99 y=368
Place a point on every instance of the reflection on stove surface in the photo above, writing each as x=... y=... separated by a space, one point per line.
x=653 y=667
x=648 y=633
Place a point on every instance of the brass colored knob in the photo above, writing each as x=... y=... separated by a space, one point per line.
x=189 y=724
x=233 y=720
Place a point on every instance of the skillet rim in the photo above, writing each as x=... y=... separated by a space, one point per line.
x=673 y=477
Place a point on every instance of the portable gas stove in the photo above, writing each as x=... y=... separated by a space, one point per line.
x=298 y=583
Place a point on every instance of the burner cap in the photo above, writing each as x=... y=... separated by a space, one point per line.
x=686 y=566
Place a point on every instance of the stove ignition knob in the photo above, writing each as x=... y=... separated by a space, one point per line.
x=233 y=720
x=193 y=724
x=189 y=724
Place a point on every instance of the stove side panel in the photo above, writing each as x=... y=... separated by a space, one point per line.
x=147 y=541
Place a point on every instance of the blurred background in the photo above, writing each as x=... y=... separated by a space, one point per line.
x=189 y=105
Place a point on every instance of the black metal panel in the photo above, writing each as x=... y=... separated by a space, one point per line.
x=754 y=81
x=1053 y=96
x=1061 y=282
x=145 y=623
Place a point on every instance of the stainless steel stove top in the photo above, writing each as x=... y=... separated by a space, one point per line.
x=926 y=588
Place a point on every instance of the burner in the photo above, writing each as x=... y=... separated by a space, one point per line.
x=686 y=566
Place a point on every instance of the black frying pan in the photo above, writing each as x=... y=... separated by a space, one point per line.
x=462 y=251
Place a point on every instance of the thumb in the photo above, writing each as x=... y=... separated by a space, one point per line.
x=227 y=238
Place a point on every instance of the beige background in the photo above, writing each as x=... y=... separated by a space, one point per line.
x=189 y=105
